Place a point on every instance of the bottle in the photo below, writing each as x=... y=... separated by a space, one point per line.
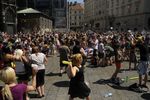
x=108 y=94
x=126 y=79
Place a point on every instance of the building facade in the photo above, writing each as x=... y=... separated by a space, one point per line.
x=100 y=19
x=60 y=14
x=118 y=14
x=88 y=13
x=8 y=16
x=130 y=14
x=55 y=9
x=76 y=12
x=96 y=14
x=31 y=20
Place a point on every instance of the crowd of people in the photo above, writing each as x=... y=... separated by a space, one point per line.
x=26 y=55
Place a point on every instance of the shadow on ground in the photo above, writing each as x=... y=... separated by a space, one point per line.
x=146 y=96
x=117 y=86
x=52 y=74
x=62 y=84
x=102 y=81
x=33 y=95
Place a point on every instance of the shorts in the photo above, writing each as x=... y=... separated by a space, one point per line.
x=143 y=67
x=40 y=78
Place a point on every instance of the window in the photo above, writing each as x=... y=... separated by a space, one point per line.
x=122 y=10
x=117 y=2
x=129 y=9
x=75 y=17
x=112 y=12
x=79 y=17
x=137 y=6
x=10 y=16
x=117 y=11
x=123 y=1
x=112 y=3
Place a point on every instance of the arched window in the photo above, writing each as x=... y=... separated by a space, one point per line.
x=10 y=16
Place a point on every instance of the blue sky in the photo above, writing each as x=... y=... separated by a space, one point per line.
x=76 y=0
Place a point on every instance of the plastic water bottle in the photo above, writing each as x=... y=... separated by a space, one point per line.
x=108 y=94
x=126 y=79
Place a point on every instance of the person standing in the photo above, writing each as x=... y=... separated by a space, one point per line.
x=118 y=61
x=79 y=49
x=75 y=71
x=143 y=65
x=38 y=61
x=64 y=53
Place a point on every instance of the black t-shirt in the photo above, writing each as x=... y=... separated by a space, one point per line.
x=143 y=51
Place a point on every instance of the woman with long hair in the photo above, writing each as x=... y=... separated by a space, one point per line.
x=11 y=90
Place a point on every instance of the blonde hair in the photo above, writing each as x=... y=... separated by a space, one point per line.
x=76 y=59
x=8 y=76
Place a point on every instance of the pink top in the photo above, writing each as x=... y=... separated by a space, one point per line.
x=17 y=91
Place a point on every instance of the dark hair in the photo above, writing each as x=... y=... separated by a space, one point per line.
x=6 y=48
x=77 y=42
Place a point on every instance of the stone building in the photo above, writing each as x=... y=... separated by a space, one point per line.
x=31 y=20
x=130 y=14
x=76 y=11
x=88 y=13
x=8 y=16
x=55 y=9
x=122 y=15
x=100 y=18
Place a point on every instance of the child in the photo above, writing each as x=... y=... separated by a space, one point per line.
x=77 y=87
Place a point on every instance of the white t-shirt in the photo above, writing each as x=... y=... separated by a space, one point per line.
x=38 y=59
x=95 y=44
x=101 y=48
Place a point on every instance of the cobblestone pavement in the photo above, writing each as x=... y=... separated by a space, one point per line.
x=56 y=87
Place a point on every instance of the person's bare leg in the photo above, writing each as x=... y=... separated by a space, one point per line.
x=70 y=98
x=115 y=73
x=39 y=91
x=140 y=79
x=42 y=90
x=145 y=79
x=88 y=98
